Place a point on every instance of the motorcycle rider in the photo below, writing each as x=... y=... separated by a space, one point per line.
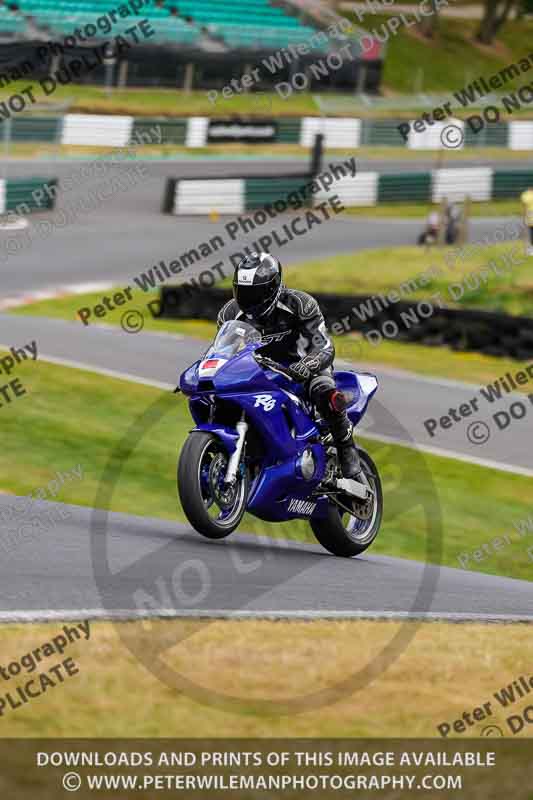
x=294 y=330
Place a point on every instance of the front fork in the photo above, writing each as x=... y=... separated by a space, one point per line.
x=235 y=458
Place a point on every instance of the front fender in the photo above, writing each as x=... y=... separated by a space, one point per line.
x=228 y=436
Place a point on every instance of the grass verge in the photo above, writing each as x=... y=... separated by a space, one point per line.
x=491 y=208
x=42 y=150
x=446 y=670
x=492 y=278
x=421 y=359
x=458 y=281
x=451 y=59
x=155 y=101
x=86 y=425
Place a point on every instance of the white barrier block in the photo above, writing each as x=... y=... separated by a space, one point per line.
x=97 y=129
x=520 y=136
x=197 y=128
x=456 y=184
x=201 y=197
x=342 y=132
x=3 y=193
x=447 y=135
x=359 y=191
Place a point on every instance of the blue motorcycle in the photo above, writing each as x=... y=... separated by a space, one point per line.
x=259 y=446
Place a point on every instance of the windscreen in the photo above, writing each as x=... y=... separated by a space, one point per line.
x=232 y=337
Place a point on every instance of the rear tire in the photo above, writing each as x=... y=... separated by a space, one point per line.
x=195 y=488
x=345 y=535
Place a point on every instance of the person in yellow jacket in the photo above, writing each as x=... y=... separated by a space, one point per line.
x=527 y=202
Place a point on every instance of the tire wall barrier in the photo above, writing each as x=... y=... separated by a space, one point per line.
x=479 y=331
x=348 y=132
x=235 y=195
x=24 y=195
x=230 y=195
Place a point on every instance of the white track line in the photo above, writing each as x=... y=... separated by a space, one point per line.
x=105 y=286
x=434 y=451
x=109 y=373
x=405 y=374
x=170 y=613
x=54 y=292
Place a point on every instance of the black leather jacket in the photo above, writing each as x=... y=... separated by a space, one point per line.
x=295 y=330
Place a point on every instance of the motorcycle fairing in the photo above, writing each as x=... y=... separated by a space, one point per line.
x=358 y=388
x=274 y=406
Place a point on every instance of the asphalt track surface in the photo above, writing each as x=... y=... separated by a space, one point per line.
x=128 y=233
x=398 y=412
x=100 y=572
x=109 y=571
x=190 y=166
x=57 y=572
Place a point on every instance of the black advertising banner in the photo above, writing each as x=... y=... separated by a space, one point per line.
x=272 y=768
x=238 y=130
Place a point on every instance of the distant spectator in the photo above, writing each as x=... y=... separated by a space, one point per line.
x=527 y=202
x=453 y=217
x=431 y=232
x=433 y=220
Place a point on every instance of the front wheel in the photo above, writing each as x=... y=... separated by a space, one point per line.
x=212 y=508
x=345 y=534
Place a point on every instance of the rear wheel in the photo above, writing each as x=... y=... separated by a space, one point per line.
x=212 y=508
x=348 y=534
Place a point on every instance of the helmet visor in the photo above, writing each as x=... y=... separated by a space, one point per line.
x=253 y=298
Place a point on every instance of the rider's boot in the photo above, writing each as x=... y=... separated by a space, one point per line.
x=342 y=431
x=349 y=459
x=348 y=456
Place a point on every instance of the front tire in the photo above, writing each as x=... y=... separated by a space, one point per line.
x=201 y=467
x=346 y=535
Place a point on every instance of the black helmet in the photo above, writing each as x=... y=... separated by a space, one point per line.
x=257 y=284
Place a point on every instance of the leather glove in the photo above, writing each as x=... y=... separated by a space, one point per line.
x=304 y=369
x=299 y=371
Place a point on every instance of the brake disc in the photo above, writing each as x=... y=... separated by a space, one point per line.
x=363 y=509
x=224 y=495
